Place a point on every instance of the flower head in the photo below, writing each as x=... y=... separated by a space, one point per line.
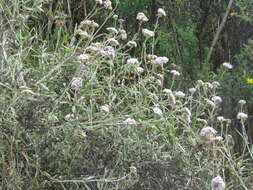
x=192 y=90
x=108 y=52
x=132 y=61
x=167 y=91
x=76 y=83
x=174 y=72
x=89 y=23
x=249 y=80
x=142 y=17
x=227 y=65
x=99 y=2
x=129 y=121
x=112 y=30
x=208 y=133
x=180 y=94
x=113 y=41
x=242 y=102
x=161 y=60
x=161 y=12
x=83 y=57
x=221 y=119
x=105 y=108
x=217 y=183
x=157 y=111
x=148 y=33
x=242 y=116
x=131 y=44
x=107 y=4
x=139 y=70
x=217 y=100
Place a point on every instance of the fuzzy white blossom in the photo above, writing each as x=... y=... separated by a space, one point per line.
x=89 y=23
x=217 y=100
x=148 y=33
x=161 y=12
x=221 y=119
x=242 y=116
x=131 y=44
x=151 y=57
x=215 y=84
x=217 y=183
x=83 y=57
x=142 y=17
x=174 y=72
x=83 y=34
x=157 y=111
x=132 y=61
x=69 y=117
x=200 y=83
x=94 y=48
x=202 y=121
x=192 y=90
x=112 y=30
x=167 y=91
x=76 y=83
x=129 y=121
x=108 y=51
x=242 y=102
x=99 y=2
x=139 y=70
x=208 y=133
x=210 y=103
x=180 y=94
x=113 y=41
x=105 y=108
x=208 y=85
x=227 y=65
x=161 y=60
x=107 y=4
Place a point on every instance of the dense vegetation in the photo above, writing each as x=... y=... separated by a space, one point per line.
x=143 y=94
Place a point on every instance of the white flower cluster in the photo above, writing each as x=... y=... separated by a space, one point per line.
x=217 y=183
x=131 y=44
x=105 y=108
x=227 y=65
x=175 y=73
x=217 y=100
x=242 y=116
x=208 y=135
x=158 y=111
x=132 y=61
x=83 y=58
x=76 y=83
x=129 y=121
x=108 y=52
x=161 y=12
x=148 y=33
x=89 y=23
x=142 y=17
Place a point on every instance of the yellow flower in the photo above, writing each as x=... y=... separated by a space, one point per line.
x=249 y=80
x=232 y=14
